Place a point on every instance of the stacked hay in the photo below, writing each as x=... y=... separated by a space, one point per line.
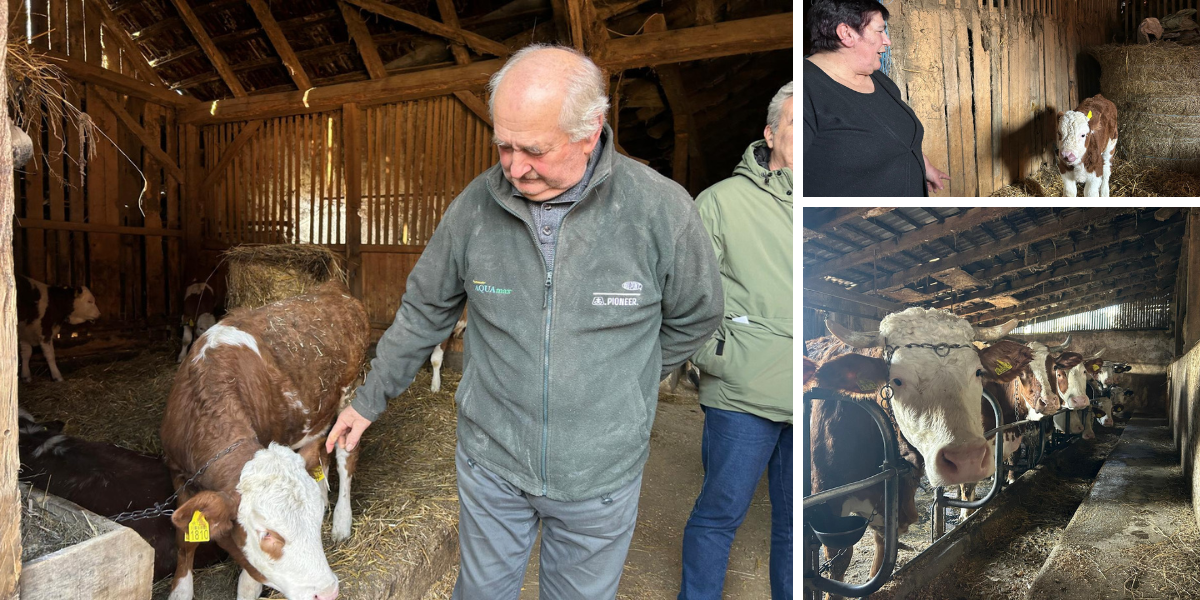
x=1130 y=179
x=260 y=275
x=1156 y=88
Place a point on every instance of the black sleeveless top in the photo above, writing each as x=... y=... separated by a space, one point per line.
x=859 y=144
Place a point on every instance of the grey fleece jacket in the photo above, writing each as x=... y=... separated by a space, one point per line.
x=560 y=381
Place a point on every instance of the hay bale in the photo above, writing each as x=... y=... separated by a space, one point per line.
x=260 y=275
x=1130 y=179
x=1156 y=88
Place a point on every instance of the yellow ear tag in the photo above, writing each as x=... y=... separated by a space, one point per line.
x=1002 y=367
x=318 y=473
x=1095 y=367
x=1089 y=115
x=867 y=385
x=197 y=529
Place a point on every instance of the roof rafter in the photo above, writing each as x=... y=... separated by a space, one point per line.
x=477 y=42
x=132 y=50
x=280 y=43
x=210 y=49
x=1116 y=278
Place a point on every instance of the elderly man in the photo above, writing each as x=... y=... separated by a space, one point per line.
x=589 y=277
x=746 y=369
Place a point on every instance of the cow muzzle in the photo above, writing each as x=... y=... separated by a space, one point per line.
x=1078 y=402
x=1070 y=157
x=966 y=463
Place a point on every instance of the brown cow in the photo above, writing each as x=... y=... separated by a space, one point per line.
x=261 y=385
x=42 y=310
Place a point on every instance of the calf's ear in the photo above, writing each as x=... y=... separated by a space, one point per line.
x=853 y=374
x=216 y=510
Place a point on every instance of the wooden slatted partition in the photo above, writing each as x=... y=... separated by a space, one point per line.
x=986 y=78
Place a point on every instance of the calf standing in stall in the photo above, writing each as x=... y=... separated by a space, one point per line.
x=247 y=419
x=42 y=310
x=1086 y=139
x=199 y=313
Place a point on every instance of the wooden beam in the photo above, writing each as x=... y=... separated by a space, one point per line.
x=82 y=71
x=438 y=82
x=477 y=42
x=985 y=251
x=1097 y=300
x=743 y=36
x=841 y=216
x=95 y=228
x=151 y=145
x=1040 y=294
x=837 y=291
x=1108 y=281
x=210 y=49
x=1021 y=284
x=687 y=137
x=230 y=153
x=462 y=57
x=132 y=50
x=913 y=239
x=575 y=23
x=605 y=13
x=279 y=41
x=362 y=38
x=10 y=458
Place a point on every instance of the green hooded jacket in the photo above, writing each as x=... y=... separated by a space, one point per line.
x=561 y=371
x=747 y=365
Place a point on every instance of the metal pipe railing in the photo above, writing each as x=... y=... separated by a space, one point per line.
x=889 y=475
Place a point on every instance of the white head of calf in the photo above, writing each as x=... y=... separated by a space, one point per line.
x=1073 y=130
x=277 y=533
x=937 y=391
x=84 y=308
x=1072 y=381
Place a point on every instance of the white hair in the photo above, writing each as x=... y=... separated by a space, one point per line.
x=775 y=108
x=586 y=102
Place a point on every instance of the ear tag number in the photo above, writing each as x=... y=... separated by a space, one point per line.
x=1002 y=367
x=318 y=473
x=197 y=529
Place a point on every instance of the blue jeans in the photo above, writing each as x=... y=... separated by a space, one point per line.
x=736 y=448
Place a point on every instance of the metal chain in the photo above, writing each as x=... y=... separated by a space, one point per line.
x=162 y=508
x=942 y=350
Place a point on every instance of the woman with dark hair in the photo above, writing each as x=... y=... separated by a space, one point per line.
x=860 y=138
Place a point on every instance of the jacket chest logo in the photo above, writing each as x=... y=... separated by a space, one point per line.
x=627 y=298
x=483 y=288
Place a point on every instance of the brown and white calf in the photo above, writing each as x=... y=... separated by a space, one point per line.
x=439 y=351
x=1072 y=385
x=1086 y=139
x=107 y=480
x=264 y=386
x=199 y=310
x=42 y=310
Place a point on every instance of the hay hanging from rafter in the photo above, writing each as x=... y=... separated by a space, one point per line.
x=35 y=90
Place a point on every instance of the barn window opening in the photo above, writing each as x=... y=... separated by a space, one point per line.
x=1150 y=313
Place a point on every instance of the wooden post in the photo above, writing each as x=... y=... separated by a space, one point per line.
x=353 y=174
x=192 y=211
x=10 y=511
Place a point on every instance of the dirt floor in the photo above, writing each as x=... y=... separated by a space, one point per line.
x=107 y=397
x=1008 y=565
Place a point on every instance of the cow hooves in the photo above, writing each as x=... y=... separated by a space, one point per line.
x=58 y=378
x=26 y=379
x=341 y=524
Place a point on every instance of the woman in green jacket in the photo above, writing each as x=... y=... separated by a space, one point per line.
x=746 y=368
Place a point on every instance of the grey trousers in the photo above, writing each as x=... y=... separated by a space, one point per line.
x=583 y=543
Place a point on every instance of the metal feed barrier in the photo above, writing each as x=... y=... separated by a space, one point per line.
x=889 y=472
x=893 y=466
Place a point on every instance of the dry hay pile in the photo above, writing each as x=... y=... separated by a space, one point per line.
x=404 y=494
x=1130 y=179
x=260 y=275
x=1156 y=88
x=35 y=89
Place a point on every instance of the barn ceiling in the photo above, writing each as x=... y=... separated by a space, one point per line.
x=990 y=264
x=186 y=42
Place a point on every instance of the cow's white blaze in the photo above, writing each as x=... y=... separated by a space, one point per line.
x=281 y=498
x=1073 y=130
x=1076 y=395
x=936 y=401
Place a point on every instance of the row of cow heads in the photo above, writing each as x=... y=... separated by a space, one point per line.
x=936 y=378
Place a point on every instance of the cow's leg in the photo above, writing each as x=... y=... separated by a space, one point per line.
x=877 y=562
x=48 y=351
x=1091 y=186
x=26 y=353
x=966 y=491
x=342 y=516
x=181 y=587
x=1069 y=189
x=839 y=563
x=436 y=361
x=187 y=343
x=248 y=587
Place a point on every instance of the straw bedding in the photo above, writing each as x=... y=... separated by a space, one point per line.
x=404 y=495
x=262 y=274
x=1131 y=179
x=1156 y=88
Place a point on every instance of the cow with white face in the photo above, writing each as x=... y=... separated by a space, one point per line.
x=935 y=375
x=1072 y=387
x=1087 y=137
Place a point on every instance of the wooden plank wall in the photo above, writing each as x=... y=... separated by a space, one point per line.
x=288 y=184
x=110 y=221
x=986 y=78
x=1143 y=9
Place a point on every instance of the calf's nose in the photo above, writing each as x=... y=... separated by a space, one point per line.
x=330 y=593
x=1077 y=402
x=966 y=463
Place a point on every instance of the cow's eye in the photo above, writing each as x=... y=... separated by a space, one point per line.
x=979 y=372
x=897 y=381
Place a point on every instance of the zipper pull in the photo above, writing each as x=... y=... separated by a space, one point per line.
x=546 y=296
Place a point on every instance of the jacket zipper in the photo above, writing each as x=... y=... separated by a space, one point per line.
x=548 y=304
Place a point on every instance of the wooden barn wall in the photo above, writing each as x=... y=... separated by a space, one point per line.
x=296 y=180
x=986 y=78
x=78 y=218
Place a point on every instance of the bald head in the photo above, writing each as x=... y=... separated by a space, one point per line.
x=559 y=84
